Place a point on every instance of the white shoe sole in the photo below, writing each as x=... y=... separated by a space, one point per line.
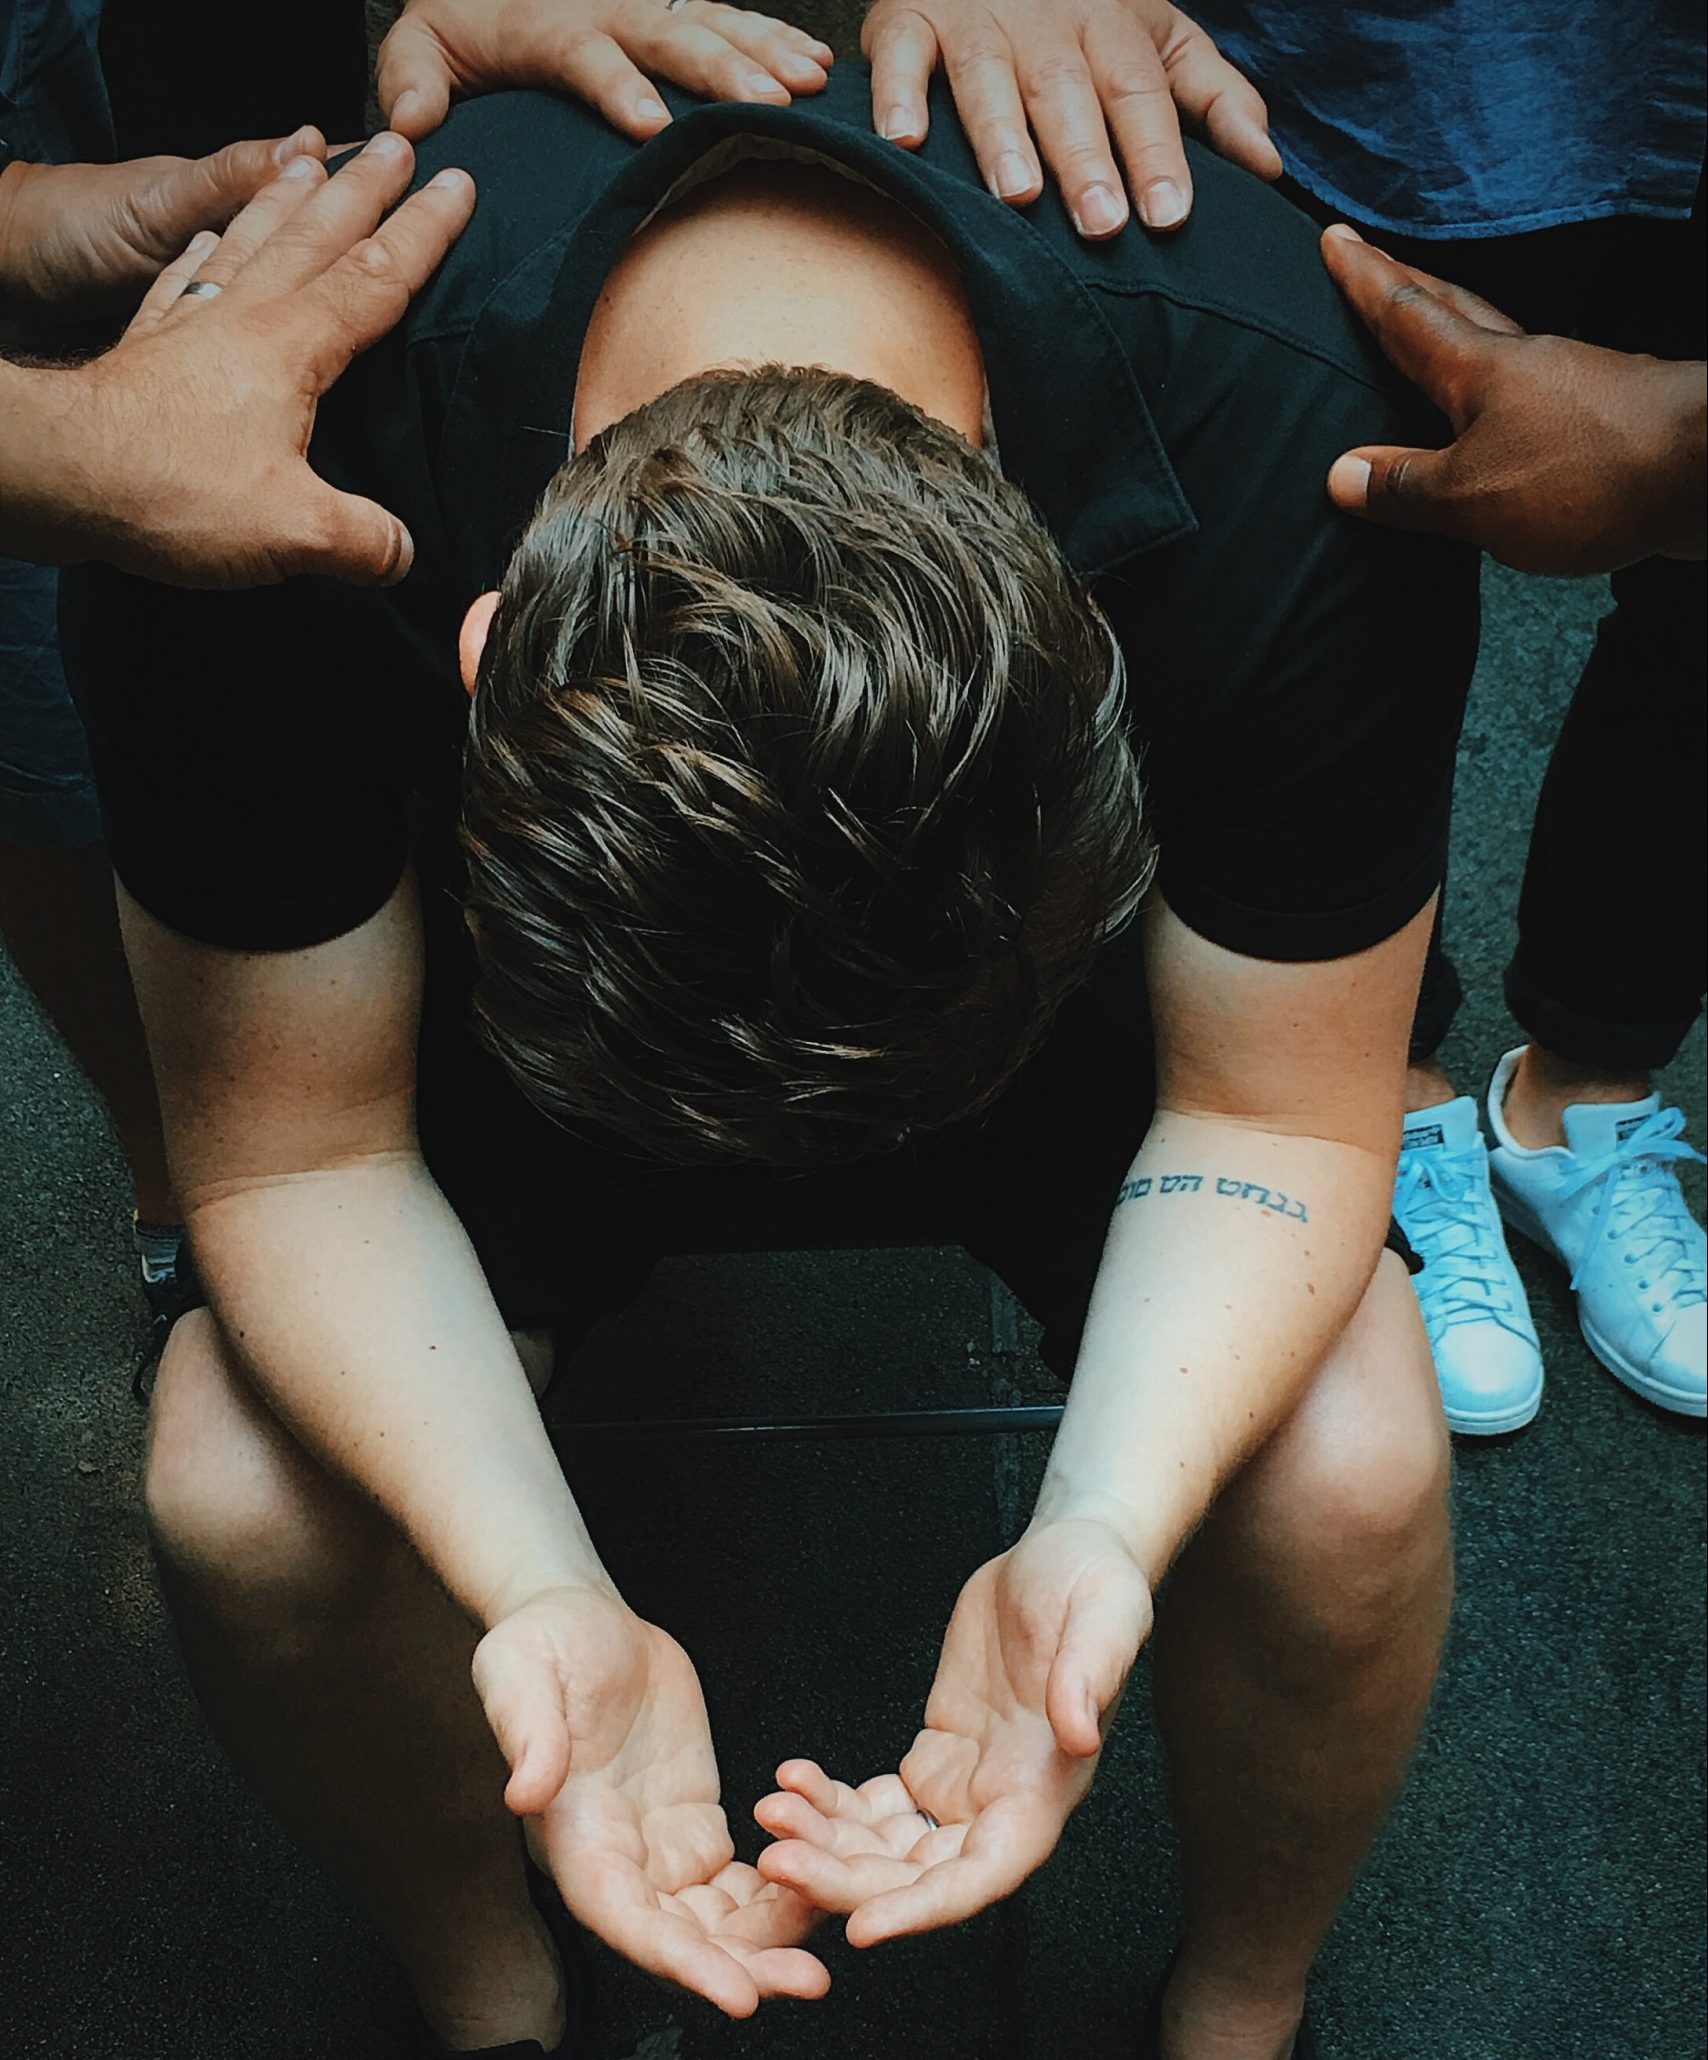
x=1493 y=1424
x=1679 y=1401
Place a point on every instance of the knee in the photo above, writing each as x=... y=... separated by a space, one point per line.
x=1360 y=1493
x=243 y=1524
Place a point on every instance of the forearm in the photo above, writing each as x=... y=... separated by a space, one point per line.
x=44 y=475
x=1235 y=1259
x=359 y=1308
x=1685 y=475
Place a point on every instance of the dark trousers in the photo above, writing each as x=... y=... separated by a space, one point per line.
x=188 y=76
x=1610 y=966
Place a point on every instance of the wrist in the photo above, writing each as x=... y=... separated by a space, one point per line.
x=1686 y=464
x=48 y=511
x=1151 y=1529
x=543 y=1584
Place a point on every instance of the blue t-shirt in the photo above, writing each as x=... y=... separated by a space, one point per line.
x=1449 y=118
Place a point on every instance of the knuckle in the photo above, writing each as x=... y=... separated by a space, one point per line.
x=1058 y=74
x=1130 y=86
x=375 y=257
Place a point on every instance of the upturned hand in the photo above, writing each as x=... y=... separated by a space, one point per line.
x=601 y=1719
x=1033 y=1664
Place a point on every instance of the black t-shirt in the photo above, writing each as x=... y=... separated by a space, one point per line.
x=267 y=761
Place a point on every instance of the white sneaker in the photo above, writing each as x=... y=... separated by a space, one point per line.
x=1486 y=1355
x=1607 y=1204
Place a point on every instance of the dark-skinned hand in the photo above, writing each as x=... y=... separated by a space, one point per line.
x=1566 y=458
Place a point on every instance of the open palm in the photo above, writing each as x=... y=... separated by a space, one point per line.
x=601 y=1718
x=1033 y=1663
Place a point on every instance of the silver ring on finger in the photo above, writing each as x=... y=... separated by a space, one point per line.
x=200 y=289
x=931 y=1821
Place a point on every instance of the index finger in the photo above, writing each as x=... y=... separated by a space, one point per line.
x=903 y=53
x=948 y=1893
x=364 y=293
x=1430 y=342
x=1138 y=103
x=350 y=205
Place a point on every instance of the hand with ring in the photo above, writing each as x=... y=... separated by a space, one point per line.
x=182 y=453
x=79 y=241
x=1033 y=1665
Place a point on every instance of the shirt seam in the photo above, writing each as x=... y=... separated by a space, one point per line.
x=1197 y=304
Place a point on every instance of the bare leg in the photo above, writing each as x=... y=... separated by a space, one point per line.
x=1427 y=1085
x=335 y=1672
x=61 y=928
x=1296 y=1649
x=1543 y=1086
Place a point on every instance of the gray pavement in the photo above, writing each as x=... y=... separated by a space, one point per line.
x=1538 y=1894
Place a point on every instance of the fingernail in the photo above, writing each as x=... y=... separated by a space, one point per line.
x=650 y=110
x=448 y=181
x=1355 y=479
x=386 y=146
x=1162 y=205
x=1010 y=175
x=1100 y=211
x=1343 y=233
x=761 y=86
x=897 y=123
x=200 y=244
x=301 y=168
x=408 y=106
x=293 y=146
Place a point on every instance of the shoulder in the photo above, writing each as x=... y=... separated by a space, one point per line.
x=1245 y=262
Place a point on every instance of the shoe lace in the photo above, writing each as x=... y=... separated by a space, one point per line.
x=1464 y=1275
x=1643 y=1205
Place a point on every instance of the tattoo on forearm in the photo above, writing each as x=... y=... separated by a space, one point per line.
x=1158 y=1186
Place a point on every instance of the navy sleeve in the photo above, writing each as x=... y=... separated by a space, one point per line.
x=1298 y=676
x=241 y=786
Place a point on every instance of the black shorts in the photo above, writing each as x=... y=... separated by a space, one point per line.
x=568 y=1227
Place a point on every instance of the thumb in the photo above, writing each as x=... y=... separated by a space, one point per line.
x=525 y=1709
x=1107 y=1620
x=412 y=79
x=1405 y=489
x=205 y=192
x=345 y=537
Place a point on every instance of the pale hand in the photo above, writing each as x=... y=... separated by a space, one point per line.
x=606 y=52
x=77 y=241
x=1077 y=83
x=1033 y=1664
x=601 y=1719
x=186 y=445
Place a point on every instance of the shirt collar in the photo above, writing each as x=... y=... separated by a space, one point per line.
x=1071 y=421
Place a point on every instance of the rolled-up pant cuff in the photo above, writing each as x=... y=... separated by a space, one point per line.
x=1585 y=1040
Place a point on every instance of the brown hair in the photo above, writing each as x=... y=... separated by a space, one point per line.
x=798 y=793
